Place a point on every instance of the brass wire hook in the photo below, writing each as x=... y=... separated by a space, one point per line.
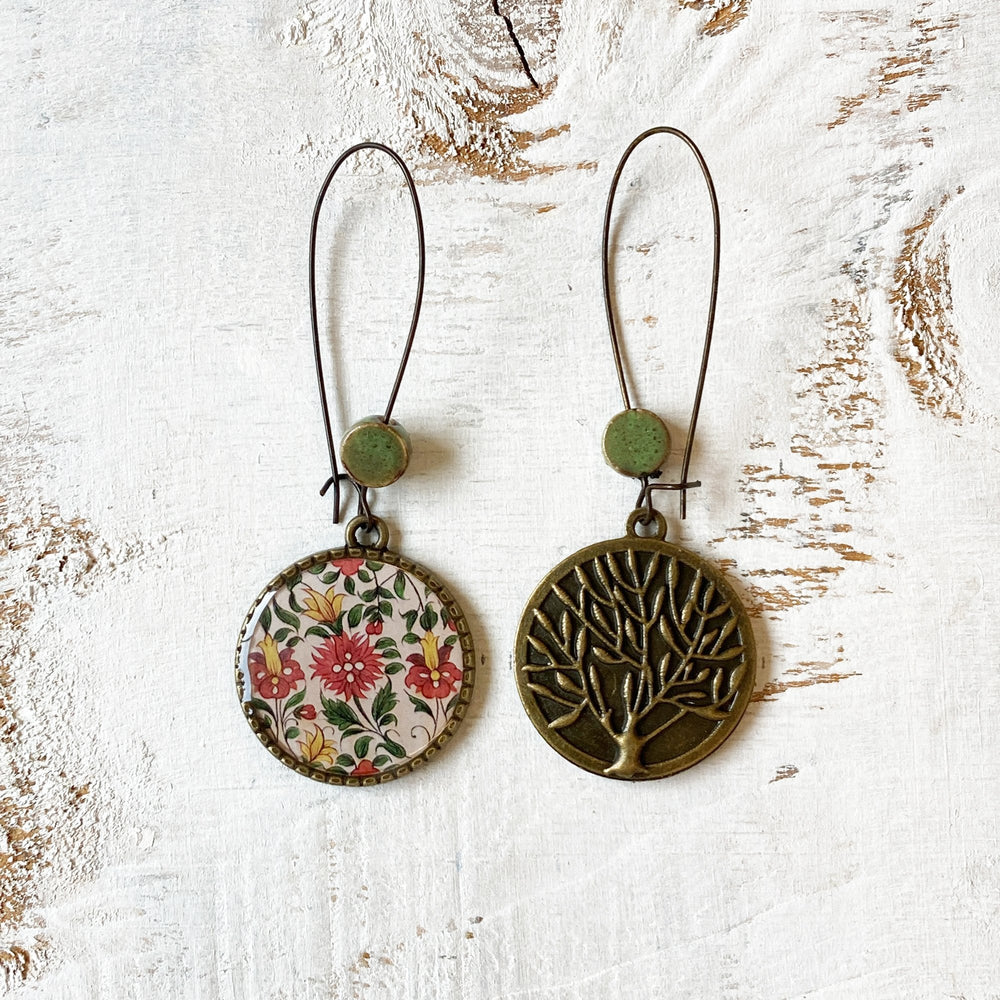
x=336 y=475
x=645 y=495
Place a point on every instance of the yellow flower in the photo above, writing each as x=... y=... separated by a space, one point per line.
x=323 y=607
x=272 y=661
x=430 y=647
x=317 y=749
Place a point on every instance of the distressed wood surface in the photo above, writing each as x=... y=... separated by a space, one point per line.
x=162 y=452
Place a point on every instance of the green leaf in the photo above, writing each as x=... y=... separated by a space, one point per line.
x=393 y=668
x=420 y=705
x=393 y=747
x=349 y=584
x=287 y=617
x=348 y=733
x=265 y=619
x=389 y=720
x=265 y=722
x=451 y=640
x=337 y=770
x=293 y=603
x=361 y=747
x=261 y=706
x=385 y=608
x=385 y=642
x=354 y=615
x=385 y=701
x=412 y=638
x=291 y=733
x=282 y=634
x=295 y=640
x=364 y=576
x=296 y=699
x=381 y=760
x=411 y=619
x=399 y=584
x=345 y=760
x=451 y=703
x=338 y=713
x=373 y=565
x=428 y=619
x=382 y=592
x=445 y=617
x=368 y=596
x=330 y=577
x=318 y=630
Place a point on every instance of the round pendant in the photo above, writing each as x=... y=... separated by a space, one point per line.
x=635 y=658
x=355 y=665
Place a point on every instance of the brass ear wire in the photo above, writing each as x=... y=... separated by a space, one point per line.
x=645 y=494
x=364 y=508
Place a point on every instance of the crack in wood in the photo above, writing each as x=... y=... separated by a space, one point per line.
x=516 y=42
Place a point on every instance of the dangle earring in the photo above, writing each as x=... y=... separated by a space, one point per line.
x=355 y=665
x=634 y=657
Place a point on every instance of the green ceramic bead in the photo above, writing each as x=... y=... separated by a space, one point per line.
x=375 y=453
x=636 y=442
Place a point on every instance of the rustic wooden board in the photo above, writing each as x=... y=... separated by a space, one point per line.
x=162 y=452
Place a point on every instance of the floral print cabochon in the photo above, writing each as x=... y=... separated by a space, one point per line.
x=354 y=666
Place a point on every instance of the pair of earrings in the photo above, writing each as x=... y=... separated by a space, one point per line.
x=634 y=657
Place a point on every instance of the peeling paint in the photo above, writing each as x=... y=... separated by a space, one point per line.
x=785 y=771
x=48 y=815
x=899 y=80
x=927 y=347
x=459 y=89
x=724 y=14
x=800 y=677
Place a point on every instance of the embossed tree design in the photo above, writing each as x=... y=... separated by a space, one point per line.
x=638 y=641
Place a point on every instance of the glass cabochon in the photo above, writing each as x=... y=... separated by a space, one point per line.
x=354 y=666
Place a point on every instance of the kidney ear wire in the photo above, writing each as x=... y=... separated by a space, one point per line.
x=336 y=476
x=645 y=494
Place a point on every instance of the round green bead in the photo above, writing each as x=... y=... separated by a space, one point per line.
x=375 y=453
x=636 y=442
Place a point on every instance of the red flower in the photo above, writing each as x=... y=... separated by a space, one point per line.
x=274 y=673
x=305 y=712
x=375 y=627
x=348 y=566
x=364 y=767
x=347 y=665
x=433 y=674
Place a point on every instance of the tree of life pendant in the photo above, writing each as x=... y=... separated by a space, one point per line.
x=635 y=658
x=355 y=665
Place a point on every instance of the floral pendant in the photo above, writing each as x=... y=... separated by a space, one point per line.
x=355 y=665
x=634 y=657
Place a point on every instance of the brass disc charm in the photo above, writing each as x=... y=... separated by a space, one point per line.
x=355 y=665
x=635 y=658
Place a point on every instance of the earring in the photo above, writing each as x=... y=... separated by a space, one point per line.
x=634 y=657
x=355 y=665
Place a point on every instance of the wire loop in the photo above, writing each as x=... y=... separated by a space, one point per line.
x=336 y=476
x=645 y=495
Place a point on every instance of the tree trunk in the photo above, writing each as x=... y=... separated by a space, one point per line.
x=628 y=763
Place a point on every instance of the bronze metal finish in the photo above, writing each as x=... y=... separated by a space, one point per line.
x=635 y=658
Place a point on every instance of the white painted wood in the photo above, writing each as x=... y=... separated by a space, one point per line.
x=162 y=451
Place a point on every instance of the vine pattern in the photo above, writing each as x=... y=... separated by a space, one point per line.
x=354 y=667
